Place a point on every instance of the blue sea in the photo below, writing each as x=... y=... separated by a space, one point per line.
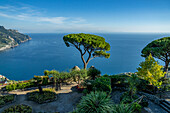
x=48 y=51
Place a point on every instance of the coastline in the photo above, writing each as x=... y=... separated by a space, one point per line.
x=12 y=46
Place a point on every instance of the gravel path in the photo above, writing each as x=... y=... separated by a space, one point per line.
x=65 y=103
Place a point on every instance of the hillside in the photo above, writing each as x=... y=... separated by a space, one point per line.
x=11 y=38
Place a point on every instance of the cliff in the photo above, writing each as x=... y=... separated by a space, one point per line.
x=11 y=38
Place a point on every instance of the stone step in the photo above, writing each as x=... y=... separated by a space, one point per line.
x=166 y=104
x=165 y=108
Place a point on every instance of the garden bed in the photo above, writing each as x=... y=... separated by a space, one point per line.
x=18 y=109
x=45 y=97
x=7 y=99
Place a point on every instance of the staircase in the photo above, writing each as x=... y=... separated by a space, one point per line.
x=165 y=105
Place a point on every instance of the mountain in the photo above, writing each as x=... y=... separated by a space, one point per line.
x=11 y=38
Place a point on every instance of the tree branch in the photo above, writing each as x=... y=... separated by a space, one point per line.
x=88 y=59
x=93 y=57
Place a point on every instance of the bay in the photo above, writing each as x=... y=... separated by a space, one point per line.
x=48 y=51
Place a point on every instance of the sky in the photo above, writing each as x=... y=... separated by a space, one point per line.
x=93 y=16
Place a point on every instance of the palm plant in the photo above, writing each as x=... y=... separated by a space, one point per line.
x=95 y=102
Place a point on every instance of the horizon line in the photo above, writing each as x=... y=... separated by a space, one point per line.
x=96 y=32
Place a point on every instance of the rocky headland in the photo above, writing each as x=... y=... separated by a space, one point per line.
x=11 y=38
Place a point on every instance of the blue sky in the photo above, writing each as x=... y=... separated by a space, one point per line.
x=57 y=16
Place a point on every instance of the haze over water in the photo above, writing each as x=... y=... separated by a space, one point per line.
x=48 y=51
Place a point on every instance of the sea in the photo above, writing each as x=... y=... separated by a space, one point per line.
x=47 y=51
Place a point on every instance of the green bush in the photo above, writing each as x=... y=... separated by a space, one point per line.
x=119 y=80
x=18 y=109
x=102 y=84
x=95 y=102
x=5 y=99
x=127 y=99
x=122 y=108
x=2 y=102
x=93 y=73
x=46 y=96
x=45 y=80
x=165 y=84
x=20 y=85
x=136 y=107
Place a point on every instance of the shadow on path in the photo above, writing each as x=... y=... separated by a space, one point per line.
x=68 y=97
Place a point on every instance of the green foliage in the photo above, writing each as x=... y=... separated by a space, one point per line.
x=165 y=84
x=64 y=76
x=45 y=80
x=46 y=72
x=87 y=40
x=136 y=107
x=106 y=75
x=151 y=71
x=133 y=83
x=88 y=43
x=95 y=102
x=20 y=85
x=119 y=80
x=159 y=49
x=5 y=99
x=126 y=98
x=122 y=108
x=46 y=96
x=101 y=54
x=93 y=73
x=18 y=109
x=78 y=75
x=102 y=84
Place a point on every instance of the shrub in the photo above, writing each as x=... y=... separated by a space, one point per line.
x=102 y=84
x=46 y=96
x=144 y=102
x=18 y=109
x=20 y=85
x=45 y=80
x=95 y=102
x=151 y=71
x=78 y=75
x=136 y=107
x=93 y=73
x=142 y=85
x=119 y=80
x=126 y=98
x=122 y=108
x=165 y=84
x=5 y=99
x=2 y=102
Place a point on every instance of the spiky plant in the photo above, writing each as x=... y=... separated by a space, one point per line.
x=95 y=102
x=122 y=108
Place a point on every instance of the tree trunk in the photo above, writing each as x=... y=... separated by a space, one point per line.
x=78 y=79
x=54 y=84
x=85 y=65
x=166 y=68
x=57 y=86
x=40 y=88
x=60 y=86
